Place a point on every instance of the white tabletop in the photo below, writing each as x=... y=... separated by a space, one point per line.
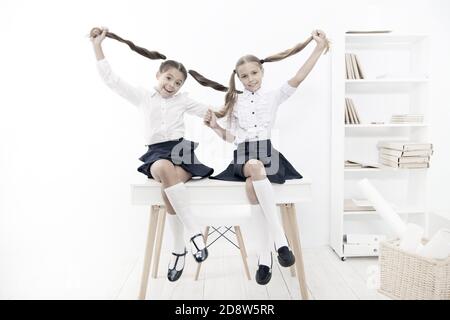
x=217 y=192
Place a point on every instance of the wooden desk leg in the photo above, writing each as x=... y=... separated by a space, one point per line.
x=238 y=230
x=242 y=249
x=148 y=251
x=298 y=251
x=159 y=237
x=200 y=264
x=287 y=230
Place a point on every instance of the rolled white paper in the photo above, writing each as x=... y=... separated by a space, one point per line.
x=383 y=208
x=438 y=247
x=412 y=237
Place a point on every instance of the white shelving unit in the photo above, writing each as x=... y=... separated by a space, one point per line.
x=397 y=81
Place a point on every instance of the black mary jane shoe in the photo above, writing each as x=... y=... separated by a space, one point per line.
x=285 y=256
x=201 y=254
x=174 y=274
x=264 y=273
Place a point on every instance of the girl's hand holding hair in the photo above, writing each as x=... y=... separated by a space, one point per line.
x=97 y=35
x=210 y=119
x=320 y=37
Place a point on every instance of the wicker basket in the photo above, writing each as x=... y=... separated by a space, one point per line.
x=409 y=276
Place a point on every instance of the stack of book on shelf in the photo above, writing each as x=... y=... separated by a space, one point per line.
x=353 y=68
x=405 y=154
x=352 y=205
x=351 y=116
x=407 y=118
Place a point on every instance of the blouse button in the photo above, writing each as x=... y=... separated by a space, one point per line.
x=253 y=112
x=255 y=125
x=252 y=101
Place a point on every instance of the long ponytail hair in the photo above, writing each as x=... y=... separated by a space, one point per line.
x=232 y=93
x=154 y=55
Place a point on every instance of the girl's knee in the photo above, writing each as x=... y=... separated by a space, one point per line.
x=163 y=169
x=255 y=169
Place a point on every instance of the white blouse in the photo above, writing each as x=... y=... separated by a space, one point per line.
x=163 y=117
x=254 y=114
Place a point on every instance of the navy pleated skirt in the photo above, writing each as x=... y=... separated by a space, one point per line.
x=180 y=152
x=278 y=168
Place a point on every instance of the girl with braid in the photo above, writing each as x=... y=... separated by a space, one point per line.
x=170 y=158
x=251 y=116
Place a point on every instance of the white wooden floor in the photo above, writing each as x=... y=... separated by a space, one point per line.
x=222 y=277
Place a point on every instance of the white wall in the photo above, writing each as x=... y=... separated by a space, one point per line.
x=69 y=146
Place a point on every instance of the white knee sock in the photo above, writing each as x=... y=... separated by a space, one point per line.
x=177 y=229
x=179 y=199
x=266 y=197
x=262 y=236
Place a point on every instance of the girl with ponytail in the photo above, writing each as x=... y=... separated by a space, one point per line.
x=170 y=159
x=251 y=116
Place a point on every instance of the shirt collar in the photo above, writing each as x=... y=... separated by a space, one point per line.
x=248 y=94
x=154 y=92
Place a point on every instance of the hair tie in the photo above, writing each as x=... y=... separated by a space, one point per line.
x=262 y=61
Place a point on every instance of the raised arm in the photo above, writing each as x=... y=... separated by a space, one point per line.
x=131 y=93
x=210 y=120
x=321 y=43
x=97 y=39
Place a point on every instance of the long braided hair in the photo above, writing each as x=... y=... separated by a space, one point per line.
x=153 y=55
x=232 y=94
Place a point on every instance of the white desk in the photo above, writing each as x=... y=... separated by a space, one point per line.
x=216 y=193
